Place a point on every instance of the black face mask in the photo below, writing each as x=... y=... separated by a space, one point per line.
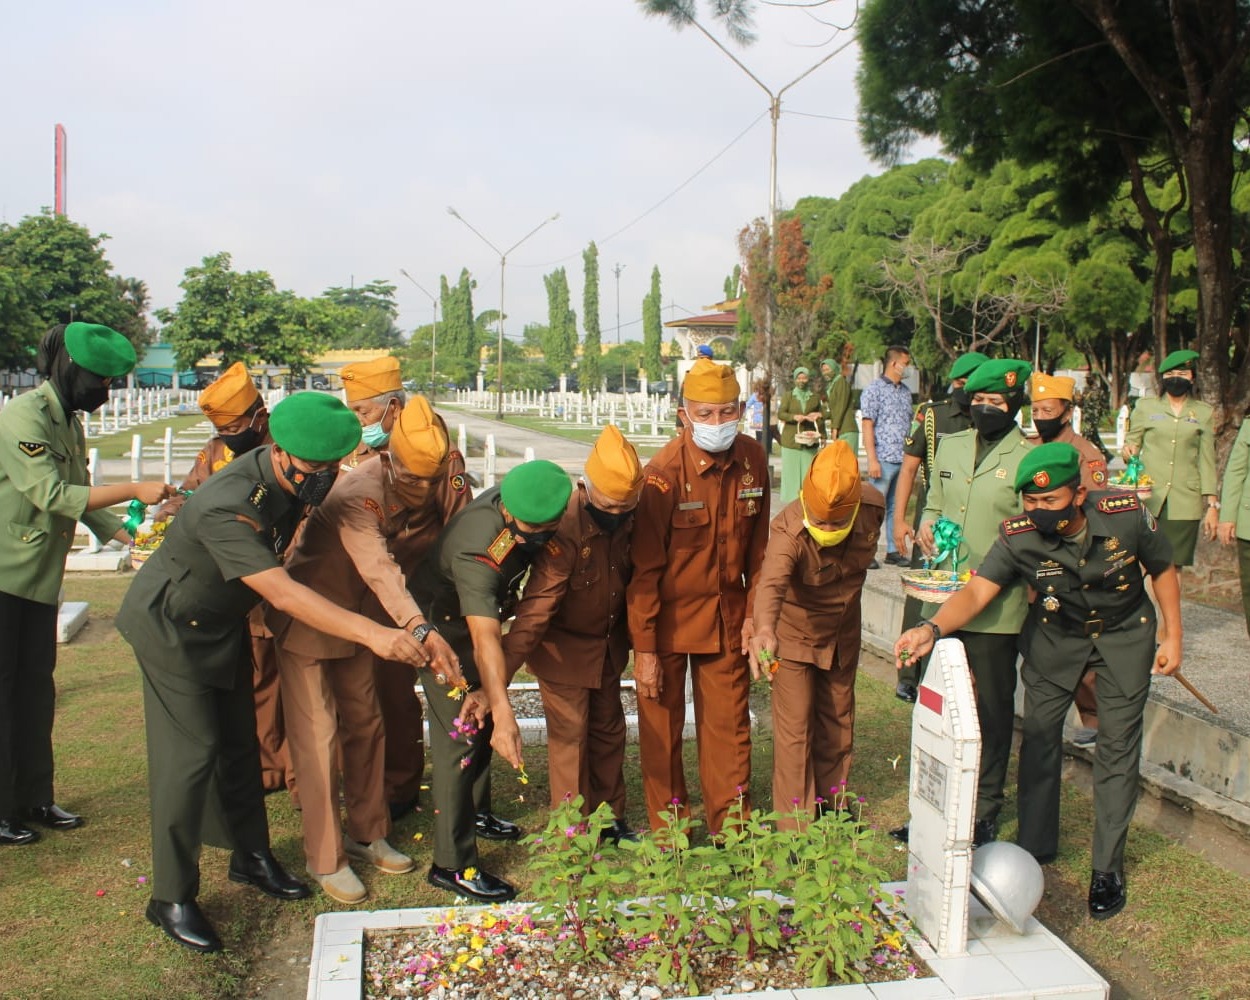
x=961 y=399
x=311 y=487
x=1048 y=428
x=245 y=440
x=1052 y=522
x=88 y=393
x=1177 y=386
x=530 y=542
x=991 y=422
x=607 y=521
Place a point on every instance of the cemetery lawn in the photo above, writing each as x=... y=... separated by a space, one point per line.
x=71 y=906
x=118 y=445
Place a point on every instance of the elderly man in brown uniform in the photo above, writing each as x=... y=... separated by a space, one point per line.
x=1052 y=399
x=328 y=682
x=699 y=538
x=241 y=421
x=570 y=629
x=807 y=629
x=374 y=392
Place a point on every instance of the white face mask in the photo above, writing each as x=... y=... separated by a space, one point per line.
x=714 y=438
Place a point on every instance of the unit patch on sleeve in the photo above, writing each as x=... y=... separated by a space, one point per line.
x=658 y=482
x=458 y=483
x=1118 y=503
x=1018 y=525
x=32 y=449
x=375 y=509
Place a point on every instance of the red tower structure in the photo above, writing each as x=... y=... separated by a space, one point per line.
x=61 y=155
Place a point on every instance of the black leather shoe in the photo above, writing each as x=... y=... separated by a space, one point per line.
x=905 y=692
x=483 y=885
x=874 y=565
x=491 y=827
x=1107 y=895
x=1046 y=859
x=14 y=833
x=901 y=833
x=186 y=924
x=984 y=831
x=897 y=559
x=54 y=817
x=261 y=869
x=618 y=831
x=401 y=809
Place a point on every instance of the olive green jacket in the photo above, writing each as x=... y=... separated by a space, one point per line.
x=790 y=408
x=1235 y=499
x=979 y=497
x=43 y=494
x=839 y=400
x=1178 y=453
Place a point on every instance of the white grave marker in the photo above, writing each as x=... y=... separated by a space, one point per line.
x=945 y=758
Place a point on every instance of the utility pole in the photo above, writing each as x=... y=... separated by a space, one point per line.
x=616 y=270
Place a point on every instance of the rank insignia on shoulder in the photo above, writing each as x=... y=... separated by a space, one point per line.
x=658 y=482
x=552 y=548
x=1018 y=525
x=459 y=483
x=1118 y=503
x=501 y=546
x=257 y=497
x=32 y=449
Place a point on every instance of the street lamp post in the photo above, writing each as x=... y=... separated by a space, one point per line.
x=503 y=263
x=616 y=270
x=434 y=335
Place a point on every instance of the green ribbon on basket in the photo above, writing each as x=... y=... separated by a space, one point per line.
x=948 y=536
x=135 y=513
x=1133 y=471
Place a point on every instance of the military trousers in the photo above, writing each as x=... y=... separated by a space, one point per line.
x=1243 y=564
x=203 y=771
x=1122 y=695
x=721 y=683
x=27 y=703
x=404 y=723
x=992 y=660
x=330 y=707
x=913 y=607
x=275 y=762
x=813 y=733
x=586 y=742
x=461 y=771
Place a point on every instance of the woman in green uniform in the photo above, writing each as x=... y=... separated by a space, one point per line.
x=802 y=412
x=1175 y=439
x=44 y=492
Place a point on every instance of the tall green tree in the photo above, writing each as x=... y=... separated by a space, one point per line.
x=458 y=342
x=560 y=345
x=241 y=316
x=53 y=270
x=591 y=369
x=652 y=328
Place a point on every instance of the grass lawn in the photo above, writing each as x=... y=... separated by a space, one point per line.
x=71 y=907
x=118 y=445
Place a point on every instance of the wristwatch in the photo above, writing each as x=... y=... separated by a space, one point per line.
x=1213 y=505
x=932 y=626
x=422 y=632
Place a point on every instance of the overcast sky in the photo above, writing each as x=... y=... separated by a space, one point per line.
x=323 y=142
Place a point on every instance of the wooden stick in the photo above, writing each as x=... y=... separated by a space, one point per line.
x=1195 y=692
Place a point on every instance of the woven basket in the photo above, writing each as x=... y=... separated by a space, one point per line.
x=139 y=556
x=807 y=439
x=1143 y=492
x=932 y=586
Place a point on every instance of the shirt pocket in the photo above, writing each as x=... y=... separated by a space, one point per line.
x=690 y=528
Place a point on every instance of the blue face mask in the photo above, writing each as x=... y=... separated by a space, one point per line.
x=374 y=436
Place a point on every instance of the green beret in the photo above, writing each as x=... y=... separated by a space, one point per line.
x=536 y=492
x=99 y=349
x=1047 y=467
x=831 y=363
x=801 y=371
x=314 y=426
x=966 y=364
x=1000 y=375
x=1178 y=359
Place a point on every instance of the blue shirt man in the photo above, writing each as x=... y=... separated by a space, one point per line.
x=885 y=418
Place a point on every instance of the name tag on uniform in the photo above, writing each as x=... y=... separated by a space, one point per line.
x=692 y=505
x=750 y=492
x=1044 y=573
x=945 y=473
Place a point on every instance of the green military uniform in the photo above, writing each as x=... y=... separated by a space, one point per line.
x=43 y=493
x=1092 y=613
x=186 y=617
x=933 y=422
x=838 y=402
x=1177 y=451
x=797 y=458
x=977 y=494
x=1235 y=507
x=476 y=568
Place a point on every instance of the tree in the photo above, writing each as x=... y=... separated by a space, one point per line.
x=459 y=346
x=652 y=328
x=243 y=317
x=369 y=313
x=561 y=343
x=54 y=271
x=1095 y=86
x=590 y=374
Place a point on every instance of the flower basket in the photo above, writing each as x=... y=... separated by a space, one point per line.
x=807 y=439
x=932 y=586
x=1143 y=492
x=139 y=556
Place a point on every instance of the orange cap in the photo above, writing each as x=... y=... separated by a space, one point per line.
x=367 y=379
x=1043 y=386
x=613 y=466
x=419 y=439
x=831 y=489
x=230 y=396
x=708 y=382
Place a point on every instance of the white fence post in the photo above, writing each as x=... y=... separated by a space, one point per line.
x=1121 y=428
x=93 y=470
x=136 y=458
x=168 y=455
x=488 y=479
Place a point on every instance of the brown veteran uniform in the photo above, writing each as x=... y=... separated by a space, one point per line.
x=328 y=682
x=570 y=630
x=699 y=537
x=374 y=392
x=807 y=613
x=238 y=415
